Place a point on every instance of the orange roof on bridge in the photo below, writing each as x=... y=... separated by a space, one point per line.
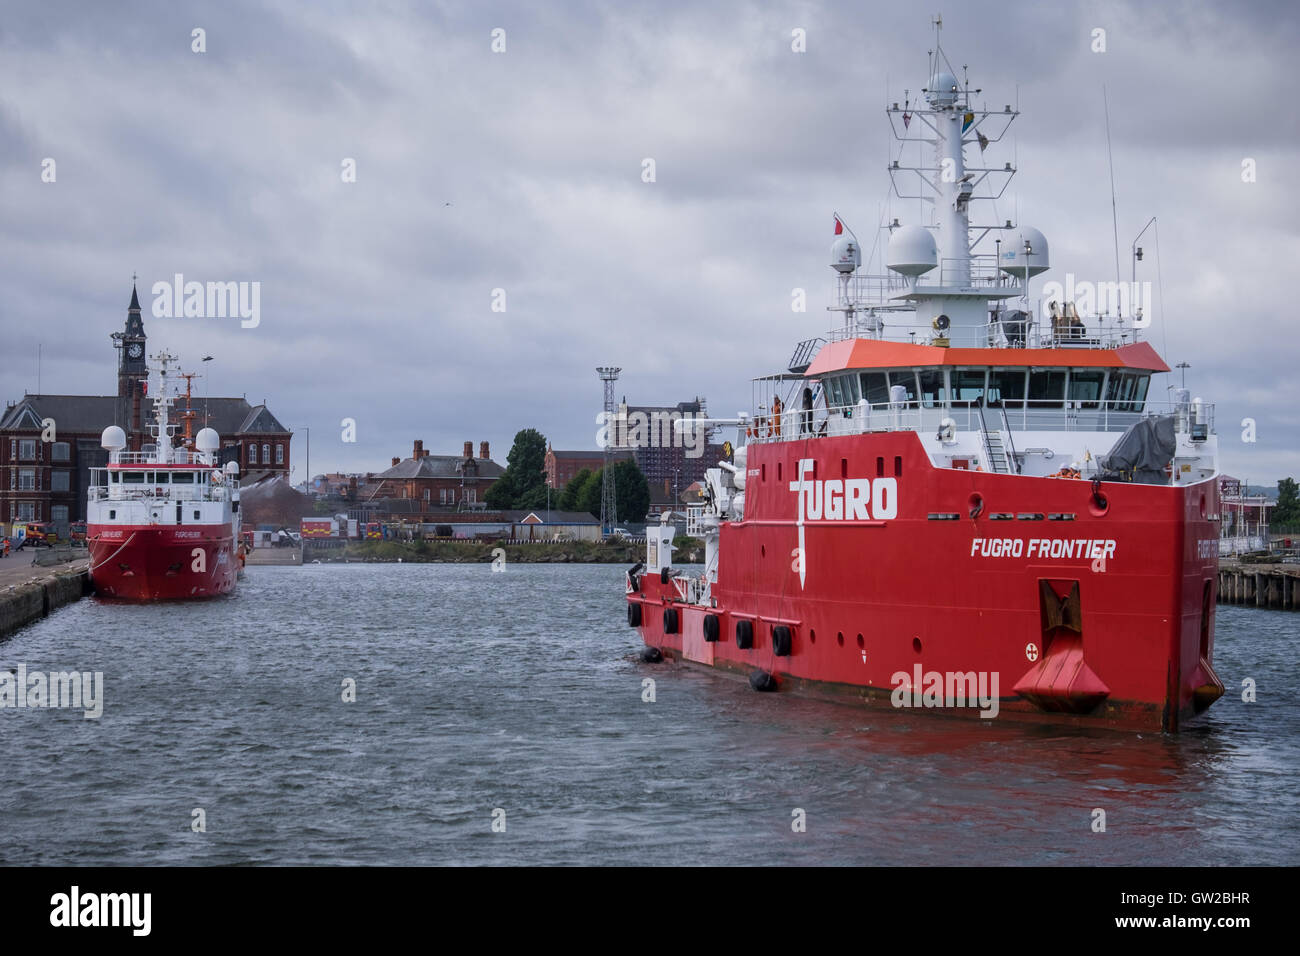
x=874 y=353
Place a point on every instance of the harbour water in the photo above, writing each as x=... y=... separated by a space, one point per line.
x=522 y=692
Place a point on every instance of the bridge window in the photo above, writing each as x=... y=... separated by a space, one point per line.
x=1085 y=386
x=1007 y=387
x=968 y=386
x=933 y=393
x=1119 y=391
x=875 y=388
x=183 y=478
x=133 y=477
x=1140 y=394
x=1046 y=387
x=833 y=399
x=906 y=379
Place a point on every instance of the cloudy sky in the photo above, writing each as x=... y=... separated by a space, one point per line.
x=522 y=170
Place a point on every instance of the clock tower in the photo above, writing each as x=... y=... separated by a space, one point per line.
x=132 y=372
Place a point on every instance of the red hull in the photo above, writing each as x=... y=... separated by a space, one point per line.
x=158 y=563
x=1118 y=633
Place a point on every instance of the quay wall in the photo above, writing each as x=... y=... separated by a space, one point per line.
x=27 y=602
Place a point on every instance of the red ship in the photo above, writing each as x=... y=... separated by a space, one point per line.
x=163 y=522
x=961 y=499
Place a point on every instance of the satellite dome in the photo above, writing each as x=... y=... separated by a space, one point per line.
x=942 y=90
x=113 y=439
x=207 y=440
x=232 y=468
x=912 y=251
x=1015 y=259
x=846 y=254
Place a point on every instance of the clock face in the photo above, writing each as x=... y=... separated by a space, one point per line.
x=134 y=351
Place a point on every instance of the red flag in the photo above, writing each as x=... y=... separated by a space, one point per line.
x=839 y=227
x=907 y=120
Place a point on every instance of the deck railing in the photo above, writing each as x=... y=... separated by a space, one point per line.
x=1017 y=416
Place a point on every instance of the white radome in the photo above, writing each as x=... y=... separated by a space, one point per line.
x=113 y=439
x=1014 y=258
x=232 y=468
x=207 y=440
x=912 y=251
x=846 y=254
x=943 y=89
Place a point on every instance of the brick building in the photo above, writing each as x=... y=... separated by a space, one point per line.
x=561 y=466
x=446 y=482
x=49 y=443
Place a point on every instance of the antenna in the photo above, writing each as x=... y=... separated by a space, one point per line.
x=1114 y=219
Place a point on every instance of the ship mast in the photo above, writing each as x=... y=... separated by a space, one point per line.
x=935 y=268
x=162 y=402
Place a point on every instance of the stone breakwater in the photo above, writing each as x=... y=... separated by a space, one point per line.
x=28 y=594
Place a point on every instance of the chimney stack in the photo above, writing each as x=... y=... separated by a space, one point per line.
x=418 y=451
x=397 y=461
x=483 y=450
x=469 y=449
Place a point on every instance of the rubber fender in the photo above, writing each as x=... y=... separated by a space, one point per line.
x=670 y=620
x=762 y=681
x=633 y=614
x=651 y=655
x=711 y=627
x=744 y=635
x=782 y=642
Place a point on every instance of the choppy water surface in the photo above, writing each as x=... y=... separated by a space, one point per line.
x=521 y=691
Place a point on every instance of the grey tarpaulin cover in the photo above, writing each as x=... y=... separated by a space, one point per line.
x=1144 y=449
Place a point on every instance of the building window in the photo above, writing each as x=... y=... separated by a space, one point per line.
x=469 y=495
x=266 y=454
x=26 y=511
x=27 y=448
x=59 y=513
x=59 y=480
x=60 y=451
x=252 y=454
x=26 y=479
x=279 y=454
x=442 y=496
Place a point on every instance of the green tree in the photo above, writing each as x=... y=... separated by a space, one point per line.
x=631 y=492
x=568 y=500
x=524 y=476
x=1287 y=509
x=589 y=494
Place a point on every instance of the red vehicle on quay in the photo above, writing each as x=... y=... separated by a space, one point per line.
x=163 y=522
x=959 y=487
